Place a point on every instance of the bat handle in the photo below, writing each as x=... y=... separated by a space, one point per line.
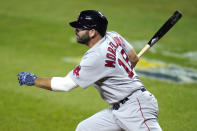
x=146 y=47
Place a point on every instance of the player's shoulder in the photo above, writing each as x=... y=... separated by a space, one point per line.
x=112 y=33
x=91 y=57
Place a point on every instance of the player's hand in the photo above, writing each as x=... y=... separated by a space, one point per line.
x=26 y=78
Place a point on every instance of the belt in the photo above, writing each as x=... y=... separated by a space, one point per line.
x=117 y=105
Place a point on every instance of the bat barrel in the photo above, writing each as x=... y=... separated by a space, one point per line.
x=162 y=31
x=165 y=27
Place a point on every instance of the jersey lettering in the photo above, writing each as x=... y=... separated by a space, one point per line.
x=119 y=41
x=113 y=51
x=110 y=63
x=110 y=56
x=113 y=45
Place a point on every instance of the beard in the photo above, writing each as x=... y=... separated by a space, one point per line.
x=84 y=39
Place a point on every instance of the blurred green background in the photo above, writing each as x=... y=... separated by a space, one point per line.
x=35 y=36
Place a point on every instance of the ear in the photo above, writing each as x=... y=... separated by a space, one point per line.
x=92 y=33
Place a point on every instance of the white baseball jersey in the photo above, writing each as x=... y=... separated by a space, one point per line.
x=107 y=66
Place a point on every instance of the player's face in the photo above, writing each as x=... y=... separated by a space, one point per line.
x=82 y=36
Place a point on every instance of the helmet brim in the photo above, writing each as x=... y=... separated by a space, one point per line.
x=76 y=24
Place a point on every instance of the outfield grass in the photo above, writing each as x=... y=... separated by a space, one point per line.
x=35 y=36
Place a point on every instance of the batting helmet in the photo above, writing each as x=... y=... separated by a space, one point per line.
x=91 y=19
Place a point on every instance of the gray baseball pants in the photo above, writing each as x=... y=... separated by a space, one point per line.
x=139 y=113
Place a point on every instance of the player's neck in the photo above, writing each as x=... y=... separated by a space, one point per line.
x=93 y=41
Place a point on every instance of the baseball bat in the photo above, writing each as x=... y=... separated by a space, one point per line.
x=161 y=32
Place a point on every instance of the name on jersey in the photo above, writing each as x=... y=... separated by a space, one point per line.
x=111 y=51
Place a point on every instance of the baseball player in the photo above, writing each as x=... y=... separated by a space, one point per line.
x=109 y=65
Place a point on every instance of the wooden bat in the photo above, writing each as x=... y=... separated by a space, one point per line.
x=161 y=32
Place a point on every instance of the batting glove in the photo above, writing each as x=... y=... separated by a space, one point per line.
x=26 y=78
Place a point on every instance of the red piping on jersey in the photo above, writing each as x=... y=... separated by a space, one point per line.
x=142 y=114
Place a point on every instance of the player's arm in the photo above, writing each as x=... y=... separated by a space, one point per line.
x=53 y=83
x=44 y=83
x=133 y=57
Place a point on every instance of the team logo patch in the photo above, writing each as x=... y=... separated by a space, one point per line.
x=76 y=71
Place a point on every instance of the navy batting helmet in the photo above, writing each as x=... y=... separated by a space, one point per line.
x=91 y=19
